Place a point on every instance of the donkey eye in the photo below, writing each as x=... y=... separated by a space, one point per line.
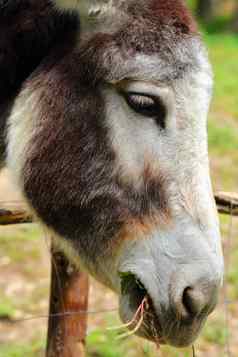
x=149 y=106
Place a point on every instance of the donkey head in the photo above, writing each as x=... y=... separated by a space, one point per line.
x=115 y=160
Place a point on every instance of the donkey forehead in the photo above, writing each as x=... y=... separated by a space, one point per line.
x=157 y=12
x=119 y=40
x=173 y=59
x=145 y=49
x=164 y=66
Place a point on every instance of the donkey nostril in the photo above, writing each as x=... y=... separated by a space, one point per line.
x=194 y=293
x=193 y=301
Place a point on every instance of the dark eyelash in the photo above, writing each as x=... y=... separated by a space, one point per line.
x=142 y=100
x=146 y=105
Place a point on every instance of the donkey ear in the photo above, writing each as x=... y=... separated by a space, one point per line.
x=66 y=4
x=98 y=10
x=81 y=5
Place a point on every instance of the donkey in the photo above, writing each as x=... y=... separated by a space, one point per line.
x=104 y=130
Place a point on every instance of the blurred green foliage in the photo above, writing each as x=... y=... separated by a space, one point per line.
x=222 y=18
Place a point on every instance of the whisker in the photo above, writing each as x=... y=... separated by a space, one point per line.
x=151 y=327
x=171 y=326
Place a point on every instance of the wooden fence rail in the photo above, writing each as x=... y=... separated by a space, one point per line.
x=10 y=213
x=69 y=288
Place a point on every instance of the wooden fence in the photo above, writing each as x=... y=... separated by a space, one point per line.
x=67 y=325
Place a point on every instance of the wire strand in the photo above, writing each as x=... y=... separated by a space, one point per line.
x=63 y=314
x=226 y=304
x=194 y=352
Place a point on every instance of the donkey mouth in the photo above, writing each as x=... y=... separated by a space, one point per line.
x=137 y=310
x=141 y=318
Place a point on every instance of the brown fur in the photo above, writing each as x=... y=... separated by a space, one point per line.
x=68 y=172
x=174 y=13
x=68 y=176
x=28 y=30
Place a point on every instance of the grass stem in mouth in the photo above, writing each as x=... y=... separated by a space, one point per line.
x=128 y=324
x=139 y=312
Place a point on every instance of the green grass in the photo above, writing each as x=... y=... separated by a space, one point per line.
x=106 y=344
x=223 y=49
x=35 y=349
x=101 y=343
x=223 y=139
x=7 y=309
x=215 y=332
x=14 y=242
x=223 y=118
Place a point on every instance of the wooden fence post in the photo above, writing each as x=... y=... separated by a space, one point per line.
x=68 y=306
